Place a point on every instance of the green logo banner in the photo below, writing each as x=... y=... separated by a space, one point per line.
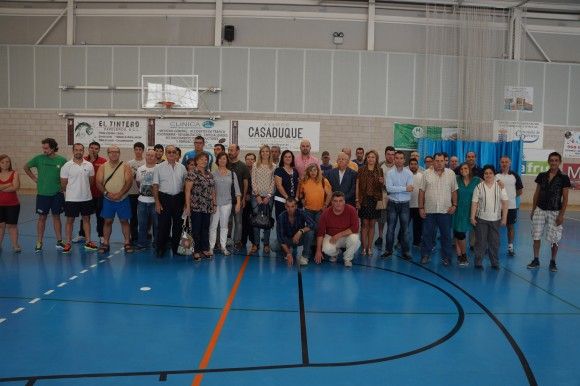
x=407 y=135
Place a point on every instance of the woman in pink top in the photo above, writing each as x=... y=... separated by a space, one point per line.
x=9 y=204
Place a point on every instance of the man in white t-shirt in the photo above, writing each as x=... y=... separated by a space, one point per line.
x=76 y=177
x=514 y=188
x=146 y=202
x=135 y=163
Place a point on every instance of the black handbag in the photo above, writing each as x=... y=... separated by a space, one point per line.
x=262 y=219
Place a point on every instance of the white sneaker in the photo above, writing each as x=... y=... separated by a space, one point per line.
x=332 y=259
x=302 y=260
x=79 y=239
x=348 y=263
x=225 y=252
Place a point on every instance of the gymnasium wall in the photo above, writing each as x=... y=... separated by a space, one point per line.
x=356 y=95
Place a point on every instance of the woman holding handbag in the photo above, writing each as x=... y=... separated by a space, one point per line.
x=200 y=204
x=262 y=190
x=286 y=179
x=227 y=196
x=369 y=190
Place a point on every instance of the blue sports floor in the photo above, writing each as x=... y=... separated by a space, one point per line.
x=82 y=319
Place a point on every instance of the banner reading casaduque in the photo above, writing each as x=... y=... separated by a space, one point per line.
x=250 y=135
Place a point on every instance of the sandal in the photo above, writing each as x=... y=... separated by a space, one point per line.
x=128 y=248
x=267 y=249
x=253 y=249
x=104 y=248
x=196 y=257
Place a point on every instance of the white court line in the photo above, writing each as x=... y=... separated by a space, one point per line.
x=34 y=300
x=571 y=218
x=62 y=284
x=72 y=277
x=2 y=320
x=93 y=266
x=18 y=310
x=49 y=292
x=84 y=270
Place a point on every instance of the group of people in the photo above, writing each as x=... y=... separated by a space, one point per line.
x=320 y=209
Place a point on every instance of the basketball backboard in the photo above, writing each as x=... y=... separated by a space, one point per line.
x=169 y=91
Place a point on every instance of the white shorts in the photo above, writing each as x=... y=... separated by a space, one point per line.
x=545 y=220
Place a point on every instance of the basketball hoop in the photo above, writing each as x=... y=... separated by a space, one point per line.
x=167 y=104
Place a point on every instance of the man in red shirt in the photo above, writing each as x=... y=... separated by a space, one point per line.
x=338 y=228
x=93 y=157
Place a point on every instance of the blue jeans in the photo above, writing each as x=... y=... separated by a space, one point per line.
x=434 y=221
x=146 y=215
x=398 y=211
x=255 y=210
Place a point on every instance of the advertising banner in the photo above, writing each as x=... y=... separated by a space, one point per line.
x=123 y=132
x=250 y=135
x=519 y=99
x=530 y=133
x=181 y=132
x=407 y=135
x=572 y=144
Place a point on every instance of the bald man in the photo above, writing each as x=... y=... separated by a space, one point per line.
x=115 y=179
x=351 y=164
x=304 y=158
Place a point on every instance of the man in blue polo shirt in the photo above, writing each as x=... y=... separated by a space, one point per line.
x=198 y=145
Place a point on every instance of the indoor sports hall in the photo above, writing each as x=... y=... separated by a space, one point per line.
x=466 y=94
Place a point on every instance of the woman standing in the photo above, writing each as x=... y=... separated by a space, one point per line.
x=489 y=210
x=369 y=190
x=9 y=204
x=286 y=180
x=315 y=192
x=466 y=183
x=262 y=190
x=227 y=194
x=200 y=203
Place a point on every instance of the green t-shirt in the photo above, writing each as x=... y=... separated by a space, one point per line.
x=48 y=171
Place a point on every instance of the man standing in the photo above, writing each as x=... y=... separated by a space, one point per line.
x=325 y=166
x=471 y=159
x=94 y=158
x=387 y=165
x=304 y=158
x=351 y=164
x=399 y=184
x=437 y=203
x=548 y=208
x=414 y=202
x=338 y=228
x=243 y=174
x=168 y=180
x=135 y=163
x=514 y=188
x=198 y=145
x=453 y=162
x=295 y=229
x=360 y=157
x=114 y=179
x=428 y=162
x=146 y=202
x=49 y=196
x=76 y=178
x=343 y=179
x=159 y=153
x=247 y=230
x=275 y=152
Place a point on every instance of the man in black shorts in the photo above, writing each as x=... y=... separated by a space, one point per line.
x=76 y=177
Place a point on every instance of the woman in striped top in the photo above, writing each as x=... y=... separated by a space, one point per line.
x=489 y=208
x=262 y=191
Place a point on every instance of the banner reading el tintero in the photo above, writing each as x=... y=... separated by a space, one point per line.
x=250 y=135
x=123 y=132
x=407 y=135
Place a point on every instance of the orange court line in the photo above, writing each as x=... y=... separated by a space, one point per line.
x=218 y=328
